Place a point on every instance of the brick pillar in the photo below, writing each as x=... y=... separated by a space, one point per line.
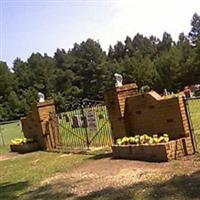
x=35 y=124
x=184 y=117
x=115 y=101
x=44 y=109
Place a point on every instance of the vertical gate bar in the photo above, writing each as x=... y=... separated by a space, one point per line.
x=193 y=138
x=104 y=130
x=99 y=141
x=107 y=127
x=95 y=110
x=86 y=131
x=80 y=131
x=2 y=138
x=83 y=129
x=106 y=136
x=67 y=139
x=75 y=140
x=96 y=114
x=64 y=134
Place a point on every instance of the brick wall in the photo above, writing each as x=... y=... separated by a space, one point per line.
x=151 y=114
x=131 y=113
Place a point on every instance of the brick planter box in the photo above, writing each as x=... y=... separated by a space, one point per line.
x=25 y=148
x=155 y=152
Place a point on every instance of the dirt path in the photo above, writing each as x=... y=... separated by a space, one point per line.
x=13 y=155
x=10 y=155
x=98 y=176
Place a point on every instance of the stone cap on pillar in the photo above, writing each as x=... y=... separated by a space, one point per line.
x=126 y=87
x=43 y=104
x=46 y=103
x=123 y=88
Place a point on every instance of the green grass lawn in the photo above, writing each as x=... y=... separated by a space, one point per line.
x=20 y=175
x=194 y=108
x=8 y=132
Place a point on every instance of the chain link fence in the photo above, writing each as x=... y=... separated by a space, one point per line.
x=193 y=106
x=9 y=130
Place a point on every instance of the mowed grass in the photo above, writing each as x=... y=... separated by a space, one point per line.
x=194 y=109
x=8 y=132
x=20 y=175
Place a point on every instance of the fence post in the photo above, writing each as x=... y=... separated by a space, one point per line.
x=86 y=131
x=192 y=134
x=2 y=138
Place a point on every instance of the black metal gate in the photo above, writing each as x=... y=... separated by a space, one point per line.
x=85 y=127
x=193 y=110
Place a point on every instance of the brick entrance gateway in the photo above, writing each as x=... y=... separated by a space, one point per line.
x=132 y=113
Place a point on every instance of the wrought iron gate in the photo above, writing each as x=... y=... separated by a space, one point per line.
x=85 y=127
x=193 y=110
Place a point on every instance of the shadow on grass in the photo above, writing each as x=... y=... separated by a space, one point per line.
x=9 y=190
x=57 y=191
x=101 y=156
x=179 y=187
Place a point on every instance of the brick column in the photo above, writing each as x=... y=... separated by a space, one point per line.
x=115 y=101
x=34 y=125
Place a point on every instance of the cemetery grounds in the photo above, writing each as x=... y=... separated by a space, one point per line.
x=95 y=175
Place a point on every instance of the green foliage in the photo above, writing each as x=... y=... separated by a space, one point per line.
x=86 y=71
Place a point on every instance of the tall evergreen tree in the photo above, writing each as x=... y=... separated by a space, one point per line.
x=194 y=34
x=90 y=67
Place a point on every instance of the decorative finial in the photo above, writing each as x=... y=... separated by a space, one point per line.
x=119 y=80
x=41 y=97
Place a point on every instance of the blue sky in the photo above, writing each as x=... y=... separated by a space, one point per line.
x=42 y=26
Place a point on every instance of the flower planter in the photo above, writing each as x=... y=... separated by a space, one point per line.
x=155 y=152
x=25 y=148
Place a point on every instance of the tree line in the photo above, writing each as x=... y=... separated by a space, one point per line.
x=86 y=71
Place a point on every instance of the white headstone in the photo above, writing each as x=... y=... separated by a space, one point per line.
x=91 y=121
